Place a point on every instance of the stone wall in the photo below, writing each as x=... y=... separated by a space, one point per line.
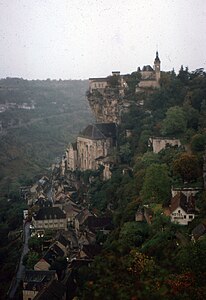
x=159 y=143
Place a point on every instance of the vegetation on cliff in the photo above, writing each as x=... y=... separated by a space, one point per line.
x=157 y=260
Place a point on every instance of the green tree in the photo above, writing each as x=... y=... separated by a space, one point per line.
x=198 y=142
x=175 y=121
x=132 y=80
x=125 y=153
x=35 y=244
x=31 y=259
x=133 y=234
x=187 y=167
x=156 y=186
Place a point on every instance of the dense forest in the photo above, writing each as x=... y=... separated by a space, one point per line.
x=156 y=260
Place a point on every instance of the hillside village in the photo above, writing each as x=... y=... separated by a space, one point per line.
x=112 y=193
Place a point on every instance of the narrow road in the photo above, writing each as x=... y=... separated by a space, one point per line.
x=21 y=269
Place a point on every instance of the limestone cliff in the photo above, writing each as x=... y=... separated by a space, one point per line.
x=106 y=106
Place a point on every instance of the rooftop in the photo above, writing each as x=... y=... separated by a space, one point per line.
x=49 y=213
x=99 y=131
x=54 y=290
x=35 y=280
x=180 y=200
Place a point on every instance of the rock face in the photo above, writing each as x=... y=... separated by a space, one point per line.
x=106 y=106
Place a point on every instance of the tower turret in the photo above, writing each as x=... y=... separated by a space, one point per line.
x=157 y=67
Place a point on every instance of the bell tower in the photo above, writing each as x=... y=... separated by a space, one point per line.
x=157 y=67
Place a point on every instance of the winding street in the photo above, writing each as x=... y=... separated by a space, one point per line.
x=21 y=269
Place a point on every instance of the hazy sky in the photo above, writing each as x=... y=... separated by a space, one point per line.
x=87 y=38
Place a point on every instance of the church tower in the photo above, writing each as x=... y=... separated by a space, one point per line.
x=157 y=67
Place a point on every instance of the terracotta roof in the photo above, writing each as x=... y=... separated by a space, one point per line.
x=180 y=200
x=49 y=213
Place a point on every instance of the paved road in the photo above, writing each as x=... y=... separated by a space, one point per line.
x=21 y=269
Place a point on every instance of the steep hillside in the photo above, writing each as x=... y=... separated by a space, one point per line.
x=153 y=253
x=37 y=121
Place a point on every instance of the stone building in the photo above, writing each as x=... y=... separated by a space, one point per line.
x=150 y=76
x=93 y=148
x=101 y=83
x=159 y=143
x=50 y=218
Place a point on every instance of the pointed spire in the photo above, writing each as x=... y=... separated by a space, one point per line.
x=157 y=60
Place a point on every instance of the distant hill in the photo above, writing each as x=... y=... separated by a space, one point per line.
x=37 y=121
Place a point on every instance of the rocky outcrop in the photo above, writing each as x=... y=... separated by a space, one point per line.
x=106 y=106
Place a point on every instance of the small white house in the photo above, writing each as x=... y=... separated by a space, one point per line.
x=182 y=209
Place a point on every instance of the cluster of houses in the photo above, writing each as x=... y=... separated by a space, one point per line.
x=73 y=241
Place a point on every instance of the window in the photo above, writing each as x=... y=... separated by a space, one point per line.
x=190 y=216
x=179 y=211
x=185 y=216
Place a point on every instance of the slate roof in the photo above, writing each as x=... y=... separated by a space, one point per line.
x=56 y=249
x=147 y=68
x=180 y=200
x=62 y=240
x=91 y=250
x=71 y=209
x=55 y=290
x=99 y=222
x=35 y=280
x=49 y=213
x=83 y=215
x=53 y=252
x=99 y=131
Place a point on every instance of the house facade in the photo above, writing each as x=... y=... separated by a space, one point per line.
x=49 y=218
x=182 y=209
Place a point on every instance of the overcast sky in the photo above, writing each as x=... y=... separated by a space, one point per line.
x=78 y=39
